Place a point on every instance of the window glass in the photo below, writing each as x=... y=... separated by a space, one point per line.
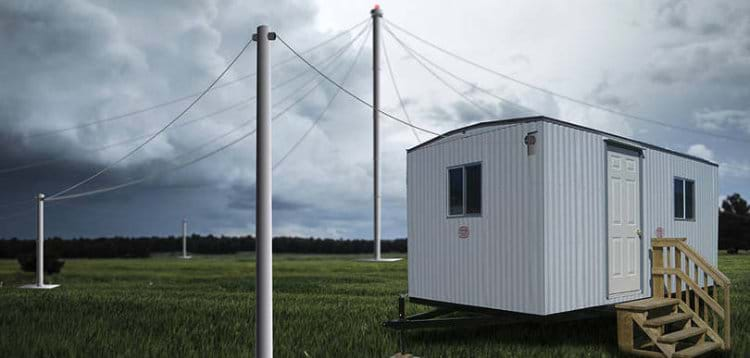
x=689 y=200
x=474 y=189
x=679 y=197
x=456 y=191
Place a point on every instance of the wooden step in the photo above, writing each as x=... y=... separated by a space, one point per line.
x=645 y=353
x=671 y=318
x=648 y=304
x=697 y=350
x=684 y=334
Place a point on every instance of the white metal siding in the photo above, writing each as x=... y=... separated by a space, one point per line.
x=501 y=265
x=540 y=243
x=702 y=233
x=575 y=214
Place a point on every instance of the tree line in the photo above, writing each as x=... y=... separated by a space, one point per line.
x=734 y=235
x=734 y=224
x=198 y=244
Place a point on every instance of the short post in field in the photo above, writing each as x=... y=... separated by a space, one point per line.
x=40 y=241
x=184 y=240
x=40 y=248
x=263 y=196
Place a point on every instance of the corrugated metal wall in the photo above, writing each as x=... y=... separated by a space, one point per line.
x=501 y=265
x=575 y=221
x=702 y=233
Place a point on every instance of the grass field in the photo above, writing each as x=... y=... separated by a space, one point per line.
x=324 y=306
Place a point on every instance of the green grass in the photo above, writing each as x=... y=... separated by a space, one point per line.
x=323 y=306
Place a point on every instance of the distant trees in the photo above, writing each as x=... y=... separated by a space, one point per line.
x=736 y=205
x=145 y=246
x=332 y=246
x=734 y=224
x=52 y=263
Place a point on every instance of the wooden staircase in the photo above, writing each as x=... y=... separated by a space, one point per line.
x=689 y=313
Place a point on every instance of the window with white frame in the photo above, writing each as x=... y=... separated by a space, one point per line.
x=465 y=190
x=684 y=199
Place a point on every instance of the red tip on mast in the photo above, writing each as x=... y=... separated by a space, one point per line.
x=377 y=7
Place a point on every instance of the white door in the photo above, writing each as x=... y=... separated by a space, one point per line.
x=623 y=217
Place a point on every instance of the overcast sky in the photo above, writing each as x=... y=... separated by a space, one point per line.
x=70 y=62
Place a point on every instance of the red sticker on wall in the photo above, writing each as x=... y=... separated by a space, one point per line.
x=463 y=232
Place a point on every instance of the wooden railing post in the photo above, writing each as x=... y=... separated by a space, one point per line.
x=715 y=296
x=657 y=283
x=727 y=319
x=688 y=296
x=670 y=276
x=678 y=267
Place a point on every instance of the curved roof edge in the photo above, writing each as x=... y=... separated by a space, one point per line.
x=559 y=122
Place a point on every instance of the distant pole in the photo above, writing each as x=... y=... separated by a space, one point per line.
x=184 y=239
x=376 y=14
x=263 y=196
x=184 y=234
x=40 y=242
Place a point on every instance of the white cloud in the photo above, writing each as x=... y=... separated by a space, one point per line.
x=735 y=169
x=701 y=151
x=723 y=120
x=732 y=169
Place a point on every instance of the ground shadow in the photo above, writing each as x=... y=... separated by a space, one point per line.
x=599 y=331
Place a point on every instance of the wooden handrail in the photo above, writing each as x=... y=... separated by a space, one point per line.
x=675 y=273
x=716 y=275
x=667 y=241
x=698 y=291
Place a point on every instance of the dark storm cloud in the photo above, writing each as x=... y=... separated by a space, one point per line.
x=673 y=14
x=602 y=94
x=78 y=62
x=712 y=28
x=664 y=76
x=152 y=207
x=722 y=64
x=680 y=15
x=243 y=198
x=736 y=120
x=467 y=113
x=71 y=62
x=710 y=52
x=293 y=216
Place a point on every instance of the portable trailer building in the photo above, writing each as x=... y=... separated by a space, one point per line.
x=541 y=216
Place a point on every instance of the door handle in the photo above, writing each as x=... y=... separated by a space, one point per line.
x=639 y=233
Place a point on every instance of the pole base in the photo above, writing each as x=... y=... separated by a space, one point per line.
x=186 y=257
x=381 y=259
x=34 y=286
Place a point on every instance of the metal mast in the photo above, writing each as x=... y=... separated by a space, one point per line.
x=263 y=233
x=40 y=242
x=376 y=14
x=40 y=247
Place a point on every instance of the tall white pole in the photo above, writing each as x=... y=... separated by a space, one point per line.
x=40 y=242
x=39 y=284
x=263 y=205
x=184 y=237
x=376 y=14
